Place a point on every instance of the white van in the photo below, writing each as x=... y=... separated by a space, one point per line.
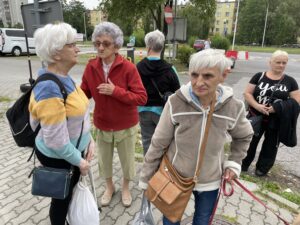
x=12 y=41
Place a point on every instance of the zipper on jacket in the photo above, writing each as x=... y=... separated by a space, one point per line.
x=205 y=115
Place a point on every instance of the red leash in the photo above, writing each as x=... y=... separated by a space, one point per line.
x=231 y=190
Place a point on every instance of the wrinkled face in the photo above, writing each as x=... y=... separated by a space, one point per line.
x=105 y=47
x=68 y=54
x=278 y=64
x=205 y=81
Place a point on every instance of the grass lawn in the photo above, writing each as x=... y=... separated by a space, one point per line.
x=266 y=49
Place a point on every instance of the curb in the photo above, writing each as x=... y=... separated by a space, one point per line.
x=281 y=200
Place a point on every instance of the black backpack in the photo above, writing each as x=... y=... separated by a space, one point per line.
x=18 y=114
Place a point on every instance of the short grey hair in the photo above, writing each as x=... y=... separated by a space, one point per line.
x=209 y=58
x=51 y=38
x=111 y=29
x=155 y=40
x=279 y=53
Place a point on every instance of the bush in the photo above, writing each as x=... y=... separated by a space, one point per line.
x=192 y=40
x=220 y=42
x=139 y=38
x=184 y=53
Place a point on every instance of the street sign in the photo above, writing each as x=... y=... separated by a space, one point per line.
x=38 y=14
x=180 y=31
x=168 y=15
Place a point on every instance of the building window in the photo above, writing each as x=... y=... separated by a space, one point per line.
x=218 y=22
x=217 y=29
x=218 y=14
x=227 y=14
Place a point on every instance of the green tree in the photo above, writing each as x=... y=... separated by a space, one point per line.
x=251 y=21
x=74 y=12
x=198 y=21
x=134 y=10
x=283 y=23
x=18 y=25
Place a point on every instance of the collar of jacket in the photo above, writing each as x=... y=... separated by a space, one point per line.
x=227 y=93
x=96 y=63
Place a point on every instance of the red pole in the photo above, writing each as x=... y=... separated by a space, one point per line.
x=247 y=55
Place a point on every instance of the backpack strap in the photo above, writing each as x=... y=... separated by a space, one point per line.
x=52 y=77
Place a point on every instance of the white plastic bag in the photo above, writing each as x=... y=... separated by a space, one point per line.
x=83 y=208
x=144 y=216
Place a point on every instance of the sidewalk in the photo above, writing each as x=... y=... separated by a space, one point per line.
x=19 y=207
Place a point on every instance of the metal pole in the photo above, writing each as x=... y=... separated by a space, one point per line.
x=266 y=19
x=174 y=31
x=84 y=26
x=235 y=25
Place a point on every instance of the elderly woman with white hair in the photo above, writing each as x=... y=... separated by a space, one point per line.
x=116 y=87
x=262 y=93
x=159 y=79
x=65 y=123
x=180 y=131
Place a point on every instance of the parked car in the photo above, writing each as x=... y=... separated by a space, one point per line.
x=13 y=42
x=252 y=44
x=198 y=45
x=290 y=45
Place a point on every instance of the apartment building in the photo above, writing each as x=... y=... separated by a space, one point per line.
x=96 y=17
x=10 y=11
x=225 y=17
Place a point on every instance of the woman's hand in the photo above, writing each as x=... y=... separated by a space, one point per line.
x=271 y=109
x=84 y=167
x=90 y=151
x=263 y=109
x=229 y=175
x=106 y=88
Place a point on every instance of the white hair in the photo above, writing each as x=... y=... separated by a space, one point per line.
x=155 y=40
x=51 y=38
x=209 y=58
x=279 y=53
x=110 y=29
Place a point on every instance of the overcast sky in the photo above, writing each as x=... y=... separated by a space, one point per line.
x=89 y=4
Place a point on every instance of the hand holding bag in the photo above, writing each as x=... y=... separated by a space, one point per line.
x=168 y=190
x=83 y=208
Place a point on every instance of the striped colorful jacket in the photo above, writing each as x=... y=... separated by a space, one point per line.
x=60 y=123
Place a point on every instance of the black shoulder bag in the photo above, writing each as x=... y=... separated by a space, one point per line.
x=163 y=96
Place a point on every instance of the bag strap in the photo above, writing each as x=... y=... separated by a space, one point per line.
x=52 y=77
x=276 y=85
x=77 y=145
x=156 y=87
x=205 y=138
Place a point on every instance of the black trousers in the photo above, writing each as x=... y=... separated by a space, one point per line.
x=59 y=207
x=268 y=151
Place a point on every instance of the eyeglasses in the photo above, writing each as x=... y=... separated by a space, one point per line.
x=71 y=45
x=105 y=44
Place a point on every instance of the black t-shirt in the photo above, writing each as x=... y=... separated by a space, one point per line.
x=265 y=86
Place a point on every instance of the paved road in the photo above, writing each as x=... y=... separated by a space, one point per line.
x=18 y=206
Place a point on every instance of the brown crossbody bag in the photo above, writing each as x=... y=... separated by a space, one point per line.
x=168 y=190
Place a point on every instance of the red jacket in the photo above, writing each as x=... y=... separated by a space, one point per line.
x=118 y=111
